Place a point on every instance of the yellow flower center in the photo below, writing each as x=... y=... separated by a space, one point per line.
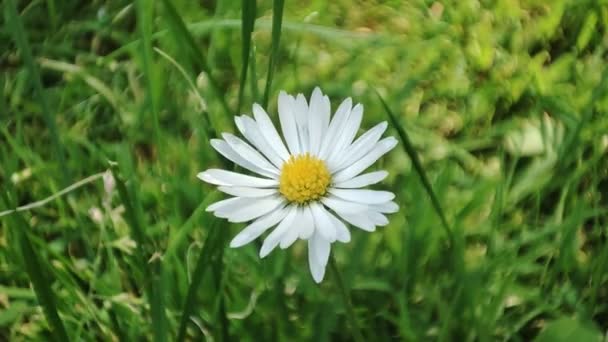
x=304 y=178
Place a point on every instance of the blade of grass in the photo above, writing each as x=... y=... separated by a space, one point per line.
x=204 y=260
x=195 y=55
x=3 y=103
x=145 y=12
x=182 y=233
x=152 y=278
x=219 y=270
x=15 y=25
x=277 y=21
x=75 y=70
x=253 y=80
x=411 y=152
x=37 y=274
x=209 y=130
x=52 y=10
x=570 y=140
x=54 y=196
x=350 y=313
x=248 y=20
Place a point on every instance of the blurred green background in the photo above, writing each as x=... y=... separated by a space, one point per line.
x=505 y=101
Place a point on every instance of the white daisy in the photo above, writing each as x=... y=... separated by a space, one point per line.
x=309 y=187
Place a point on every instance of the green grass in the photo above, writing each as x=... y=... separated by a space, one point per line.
x=501 y=174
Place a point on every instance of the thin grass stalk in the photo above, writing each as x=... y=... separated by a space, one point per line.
x=152 y=278
x=248 y=13
x=409 y=149
x=196 y=57
x=348 y=305
x=211 y=243
x=38 y=274
x=277 y=21
x=15 y=25
x=145 y=12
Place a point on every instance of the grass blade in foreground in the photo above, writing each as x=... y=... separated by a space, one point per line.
x=277 y=21
x=350 y=312
x=13 y=20
x=37 y=276
x=248 y=22
x=411 y=152
x=183 y=36
x=201 y=267
x=152 y=279
x=145 y=13
x=570 y=141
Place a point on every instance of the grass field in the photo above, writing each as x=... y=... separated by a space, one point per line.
x=505 y=104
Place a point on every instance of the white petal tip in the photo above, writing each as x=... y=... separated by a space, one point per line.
x=318 y=274
x=264 y=251
x=390 y=207
x=239 y=241
x=285 y=245
x=204 y=176
x=345 y=239
x=256 y=106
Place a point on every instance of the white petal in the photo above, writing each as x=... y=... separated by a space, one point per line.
x=288 y=122
x=224 y=149
x=269 y=131
x=342 y=233
x=249 y=153
x=340 y=205
x=250 y=130
x=308 y=224
x=385 y=208
x=323 y=223
x=301 y=113
x=325 y=111
x=229 y=178
x=243 y=191
x=347 y=135
x=318 y=118
x=363 y=180
x=293 y=232
x=232 y=202
x=258 y=227
x=335 y=127
x=359 y=220
x=363 y=195
x=377 y=218
x=250 y=209
x=360 y=147
x=381 y=148
x=318 y=255
x=273 y=239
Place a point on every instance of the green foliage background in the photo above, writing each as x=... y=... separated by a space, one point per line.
x=505 y=102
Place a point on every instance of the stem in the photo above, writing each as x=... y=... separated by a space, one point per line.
x=350 y=312
x=42 y=202
x=409 y=149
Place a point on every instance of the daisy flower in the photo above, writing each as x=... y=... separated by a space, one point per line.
x=309 y=187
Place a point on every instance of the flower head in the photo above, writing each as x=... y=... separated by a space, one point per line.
x=309 y=187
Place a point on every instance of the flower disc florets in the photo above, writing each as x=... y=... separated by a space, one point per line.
x=304 y=178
